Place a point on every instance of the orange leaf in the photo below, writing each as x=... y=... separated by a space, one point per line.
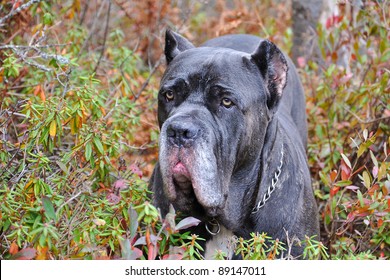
x=334 y=190
x=373 y=189
x=333 y=175
x=362 y=210
x=13 y=248
x=385 y=191
x=37 y=90
x=380 y=223
x=42 y=95
x=41 y=253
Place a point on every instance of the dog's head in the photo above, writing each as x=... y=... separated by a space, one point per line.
x=214 y=106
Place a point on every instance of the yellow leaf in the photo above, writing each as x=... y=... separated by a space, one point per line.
x=366 y=179
x=73 y=126
x=53 y=129
x=28 y=184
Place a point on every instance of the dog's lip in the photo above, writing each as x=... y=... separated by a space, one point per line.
x=180 y=173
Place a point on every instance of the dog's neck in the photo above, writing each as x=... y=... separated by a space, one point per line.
x=272 y=158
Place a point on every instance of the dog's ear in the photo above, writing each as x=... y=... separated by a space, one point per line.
x=175 y=44
x=273 y=67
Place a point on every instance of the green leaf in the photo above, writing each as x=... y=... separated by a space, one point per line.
x=62 y=167
x=360 y=197
x=374 y=205
x=133 y=217
x=88 y=151
x=49 y=208
x=99 y=145
x=343 y=183
x=47 y=19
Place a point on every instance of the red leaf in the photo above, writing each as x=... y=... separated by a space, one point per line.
x=172 y=257
x=135 y=169
x=129 y=252
x=152 y=251
x=301 y=61
x=353 y=188
x=136 y=253
x=334 y=190
x=345 y=171
x=120 y=184
x=113 y=198
x=25 y=254
x=380 y=223
x=351 y=216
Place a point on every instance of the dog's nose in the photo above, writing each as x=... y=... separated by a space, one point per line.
x=182 y=133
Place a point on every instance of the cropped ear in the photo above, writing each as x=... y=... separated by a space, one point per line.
x=273 y=67
x=175 y=44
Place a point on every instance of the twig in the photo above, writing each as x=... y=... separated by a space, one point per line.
x=360 y=120
x=35 y=46
x=105 y=35
x=22 y=51
x=59 y=58
x=68 y=201
x=18 y=10
x=145 y=84
x=84 y=12
x=91 y=32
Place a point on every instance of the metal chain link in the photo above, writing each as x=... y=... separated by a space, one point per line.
x=271 y=188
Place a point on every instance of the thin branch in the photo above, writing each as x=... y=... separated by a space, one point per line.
x=360 y=120
x=105 y=35
x=84 y=12
x=18 y=10
x=91 y=32
x=146 y=83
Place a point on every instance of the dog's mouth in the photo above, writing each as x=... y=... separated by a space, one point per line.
x=180 y=173
x=181 y=176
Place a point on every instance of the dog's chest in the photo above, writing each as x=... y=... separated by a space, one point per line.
x=223 y=241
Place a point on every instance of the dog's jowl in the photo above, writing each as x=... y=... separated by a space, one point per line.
x=233 y=141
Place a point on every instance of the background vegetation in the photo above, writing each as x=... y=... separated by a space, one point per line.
x=78 y=129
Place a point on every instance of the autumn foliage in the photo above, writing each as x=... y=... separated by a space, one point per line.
x=78 y=128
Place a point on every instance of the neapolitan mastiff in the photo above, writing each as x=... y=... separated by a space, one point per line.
x=232 y=142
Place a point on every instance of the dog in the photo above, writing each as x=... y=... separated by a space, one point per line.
x=232 y=146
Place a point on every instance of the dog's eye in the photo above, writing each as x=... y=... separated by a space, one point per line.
x=169 y=95
x=226 y=102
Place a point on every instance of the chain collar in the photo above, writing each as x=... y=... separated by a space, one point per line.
x=215 y=224
x=272 y=187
